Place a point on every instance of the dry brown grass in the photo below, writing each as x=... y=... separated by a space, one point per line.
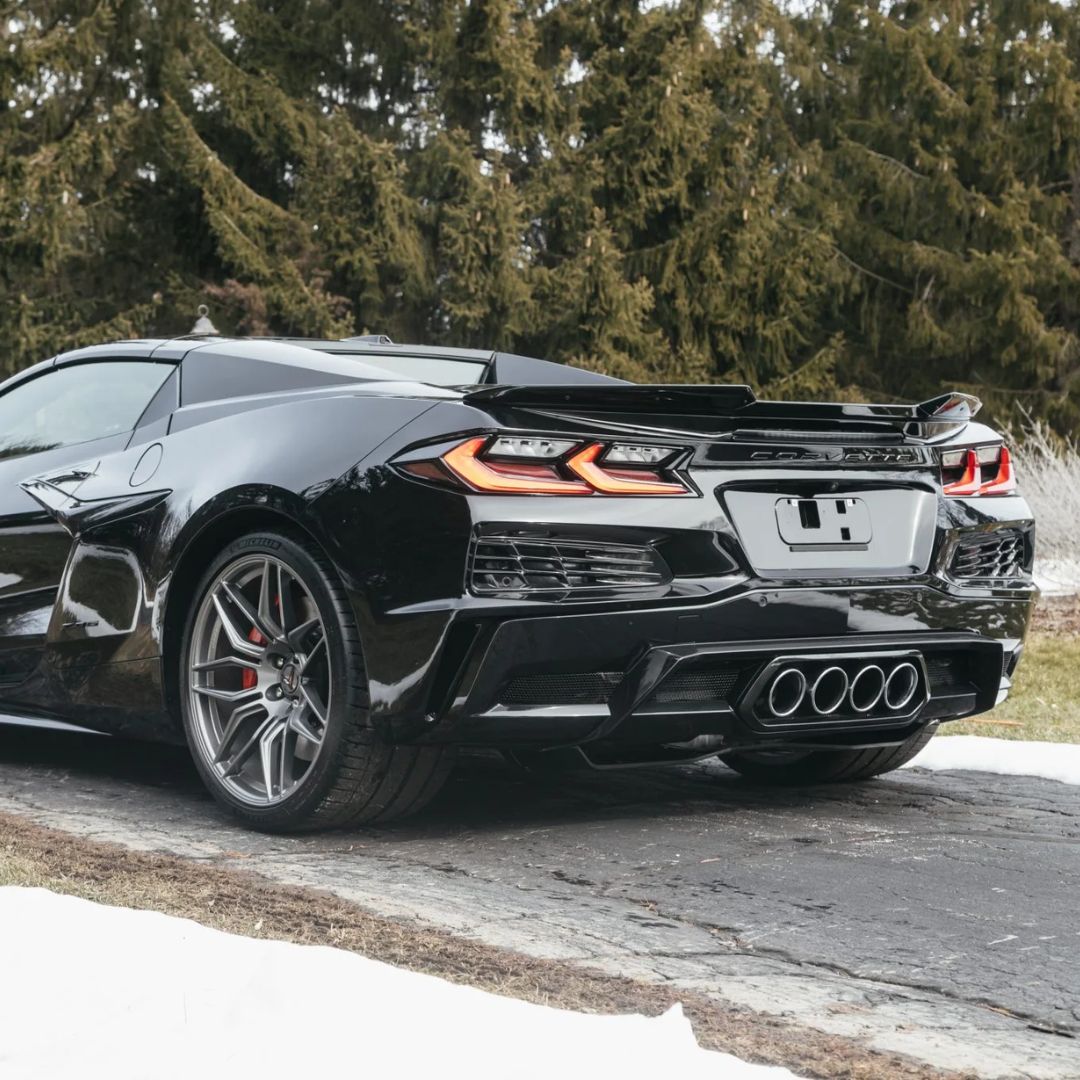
x=241 y=902
x=1058 y=615
x=1045 y=699
x=1046 y=468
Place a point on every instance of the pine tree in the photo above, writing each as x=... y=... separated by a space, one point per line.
x=949 y=141
x=862 y=199
x=70 y=142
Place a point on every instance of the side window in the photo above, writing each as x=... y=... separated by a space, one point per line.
x=76 y=404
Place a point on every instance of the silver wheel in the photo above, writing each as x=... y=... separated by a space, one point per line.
x=259 y=680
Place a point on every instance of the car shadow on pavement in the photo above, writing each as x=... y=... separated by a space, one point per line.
x=154 y=764
x=484 y=793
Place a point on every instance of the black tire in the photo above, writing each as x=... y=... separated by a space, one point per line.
x=357 y=776
x=827 y=766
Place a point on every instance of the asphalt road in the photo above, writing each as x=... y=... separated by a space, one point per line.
x=931 y=913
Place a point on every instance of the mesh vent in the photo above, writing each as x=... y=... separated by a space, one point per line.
x=947 y=674
x=691 y=686
x=998 y=554
x=595 y=688
x=514 y=566
x=582 y=688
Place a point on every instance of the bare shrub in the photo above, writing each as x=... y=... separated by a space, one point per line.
x=1048 y=471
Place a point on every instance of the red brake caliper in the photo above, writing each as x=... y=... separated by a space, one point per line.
x=249 y=678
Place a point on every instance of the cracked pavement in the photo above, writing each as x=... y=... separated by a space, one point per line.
x=932 y=914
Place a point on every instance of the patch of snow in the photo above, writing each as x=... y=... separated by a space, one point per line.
x=1007 y=757
x=108 y=993
x=1058 y=577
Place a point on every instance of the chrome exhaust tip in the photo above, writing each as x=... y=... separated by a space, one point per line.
x=829 y=691
x=901 y=685
x=787 y=692
x=867 y=688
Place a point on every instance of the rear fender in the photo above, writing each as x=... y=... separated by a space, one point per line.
x=135 y=514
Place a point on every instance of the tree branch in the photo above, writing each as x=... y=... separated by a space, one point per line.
x=890 y=161
x=870 y=273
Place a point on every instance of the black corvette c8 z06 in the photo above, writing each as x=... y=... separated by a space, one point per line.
x=328 y=564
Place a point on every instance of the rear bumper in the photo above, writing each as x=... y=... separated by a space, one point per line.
x=458 y=597
x=669 y=675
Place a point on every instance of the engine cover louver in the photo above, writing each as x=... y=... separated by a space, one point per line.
x=516 y=566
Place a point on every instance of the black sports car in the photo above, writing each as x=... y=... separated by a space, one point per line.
x=328 y=564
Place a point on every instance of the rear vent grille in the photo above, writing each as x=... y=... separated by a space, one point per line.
x=581 y=688
x=515 y=566
x=596 y=687
x=999 y=554
x=696 y=686
x=948 y=675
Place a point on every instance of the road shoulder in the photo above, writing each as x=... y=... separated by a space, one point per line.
x=243 y=902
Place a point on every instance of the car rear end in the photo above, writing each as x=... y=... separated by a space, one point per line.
x=643 y=573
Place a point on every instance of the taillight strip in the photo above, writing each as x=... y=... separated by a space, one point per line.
x=482 y=465
x=583 y=464
x=972 y=481
x=463 y=462
x=1005 y=481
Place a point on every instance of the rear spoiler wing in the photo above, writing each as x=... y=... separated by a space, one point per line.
x=928 y=420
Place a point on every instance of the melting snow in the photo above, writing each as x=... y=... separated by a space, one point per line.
x=1010 y=757
x=106 y=992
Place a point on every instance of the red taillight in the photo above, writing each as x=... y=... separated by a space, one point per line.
x=987 y=470
x=1004 y=483
x=538 y=466
x=618 y=481
x=519 y=478
x=970 y=479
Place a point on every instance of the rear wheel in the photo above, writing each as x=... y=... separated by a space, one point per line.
x=275 y=701
x=798 y=767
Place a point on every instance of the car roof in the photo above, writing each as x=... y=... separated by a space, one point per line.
x=385 y=347
x=176 y=348
x=365 y=354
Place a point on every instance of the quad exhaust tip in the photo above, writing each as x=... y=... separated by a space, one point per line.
x=830 y=691
x=787 y=692
x=901 y=685
x=862 y=692
x=867 y=689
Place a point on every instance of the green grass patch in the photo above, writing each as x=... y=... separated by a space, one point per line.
x=1045 y=699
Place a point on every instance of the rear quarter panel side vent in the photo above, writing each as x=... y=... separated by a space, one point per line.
x=518 y=567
